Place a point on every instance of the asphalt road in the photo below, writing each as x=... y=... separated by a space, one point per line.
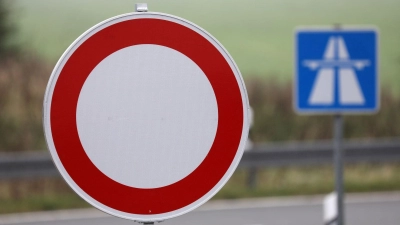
x=361 y=209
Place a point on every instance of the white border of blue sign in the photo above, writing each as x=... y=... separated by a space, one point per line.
x=335 y=111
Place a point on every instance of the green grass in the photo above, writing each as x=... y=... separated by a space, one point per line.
x=311 y=180
x=258 y=34
x=42 y=203
x=37 y=195
x=52 y=194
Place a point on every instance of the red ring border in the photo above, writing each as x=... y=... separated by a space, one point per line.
x=63 y=116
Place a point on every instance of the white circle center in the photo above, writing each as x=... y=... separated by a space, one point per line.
x=147 y=116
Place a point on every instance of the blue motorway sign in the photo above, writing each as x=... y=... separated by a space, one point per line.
x=336 y=71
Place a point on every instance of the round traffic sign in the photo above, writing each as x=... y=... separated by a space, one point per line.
x=146 y=116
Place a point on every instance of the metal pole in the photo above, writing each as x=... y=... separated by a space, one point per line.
x=252 y=178
x=338 y=164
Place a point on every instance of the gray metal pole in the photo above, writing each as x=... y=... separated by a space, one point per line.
x=338 y=164
x=252 y=178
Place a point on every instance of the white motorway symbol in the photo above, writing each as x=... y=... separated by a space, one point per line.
x=336 y=57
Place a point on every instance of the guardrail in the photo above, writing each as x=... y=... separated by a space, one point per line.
x=27 y=165
x=39 y=164
x=317 y=153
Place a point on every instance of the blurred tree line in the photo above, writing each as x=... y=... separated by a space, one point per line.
x=275 y=119
x=23 y=78
x=5 y=28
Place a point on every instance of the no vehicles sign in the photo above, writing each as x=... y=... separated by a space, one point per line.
x=146 y=116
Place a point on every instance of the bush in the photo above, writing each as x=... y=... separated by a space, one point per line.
x=275 y=119
x=6 y=30
x=22 y=84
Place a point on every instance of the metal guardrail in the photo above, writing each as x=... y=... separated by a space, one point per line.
x=27 y=165
x=316 y=153
x=321 y=152
x=39 y=164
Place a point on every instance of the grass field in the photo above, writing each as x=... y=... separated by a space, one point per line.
x=51 y=194
x=258 y=34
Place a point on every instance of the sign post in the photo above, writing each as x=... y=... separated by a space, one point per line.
x=336 y=72
x=146 y=116
x=338 y=164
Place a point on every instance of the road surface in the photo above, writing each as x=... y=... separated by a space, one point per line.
x=361 y=209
